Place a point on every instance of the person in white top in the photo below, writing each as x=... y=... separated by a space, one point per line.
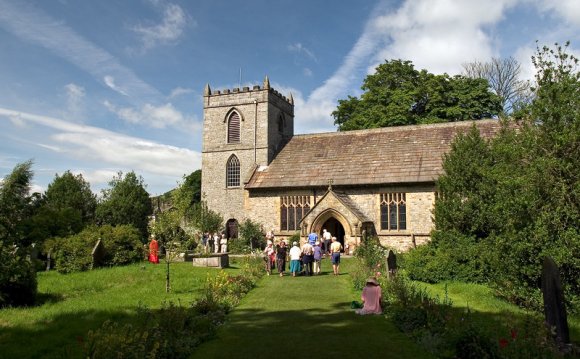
x=295 y=254
x=326 y=236
x=224 y=244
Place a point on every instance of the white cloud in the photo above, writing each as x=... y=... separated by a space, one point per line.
x=168 y=31
x=110 y=82
x=301 y=49
x=180 y=91
x=75 y=102
x=569 y=10
x=108 y=150
x=150 y=115
x=438 y=35
x=30 y=24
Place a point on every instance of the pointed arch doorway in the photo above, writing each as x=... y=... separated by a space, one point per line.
x=335 y=228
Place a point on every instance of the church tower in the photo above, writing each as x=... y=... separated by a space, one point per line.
x=242 y=130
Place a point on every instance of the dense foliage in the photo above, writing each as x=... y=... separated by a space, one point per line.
x=17 y=275
x=251 y=236
x=507 y=203
x=126 y=202
x=15 y=204
x=72 y=192
x=74 y=253
x=398 y=94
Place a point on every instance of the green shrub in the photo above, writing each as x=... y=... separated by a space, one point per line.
x=170 y=332
x=17 y=278
x=449 y=256
x=74 y=253
x=251 y=235
x=370 y=262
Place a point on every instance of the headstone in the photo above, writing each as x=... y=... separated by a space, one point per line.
x=554 y=308
x=48 y=260
x=98 y=254
x=391 y=264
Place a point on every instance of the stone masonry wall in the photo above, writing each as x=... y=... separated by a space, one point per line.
x=260 y=138
x=264 y=207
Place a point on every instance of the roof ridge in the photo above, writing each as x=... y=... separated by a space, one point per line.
x=399 y=128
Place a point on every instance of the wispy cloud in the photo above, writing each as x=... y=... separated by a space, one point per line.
x=31 y=24
x=300 y=49
x=153 y=116
x=110 y=82
x=110 y=150
x=168 y=31
x=180 y=91
x=75 y=98
x=436 y=34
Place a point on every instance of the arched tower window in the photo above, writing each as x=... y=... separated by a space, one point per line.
x=281 y=124
x=233 y=172
x=234 y=127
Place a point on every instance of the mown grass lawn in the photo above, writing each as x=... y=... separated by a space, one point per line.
x=307 y=317
x=75 y=303
x=488 y=311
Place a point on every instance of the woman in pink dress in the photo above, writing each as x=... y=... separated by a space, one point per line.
x=371 y=297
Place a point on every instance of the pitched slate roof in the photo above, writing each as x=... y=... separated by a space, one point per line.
x=406 y=154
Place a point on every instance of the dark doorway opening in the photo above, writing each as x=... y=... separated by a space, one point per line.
x=232 y=228
x=336 y=229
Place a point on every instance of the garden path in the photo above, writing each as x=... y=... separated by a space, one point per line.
x=306 y=317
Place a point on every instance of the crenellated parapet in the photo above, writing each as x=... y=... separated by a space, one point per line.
x=256 y=90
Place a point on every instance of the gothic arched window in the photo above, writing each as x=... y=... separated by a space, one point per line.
x=234 y=127
x=233 y=172
x=281 y=124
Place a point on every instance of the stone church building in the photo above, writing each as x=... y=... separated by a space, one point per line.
x=378 y=182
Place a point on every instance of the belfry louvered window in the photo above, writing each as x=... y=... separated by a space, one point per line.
x=234 y=128
x=393 y=211
x=233 y=172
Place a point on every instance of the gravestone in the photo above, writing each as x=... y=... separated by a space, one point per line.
x=98 y=254
x=391 y=264
x=554 y=308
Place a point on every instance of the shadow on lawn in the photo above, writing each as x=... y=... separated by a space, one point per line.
x=335 y=331
x=60 y=337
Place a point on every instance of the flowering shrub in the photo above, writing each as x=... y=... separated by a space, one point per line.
x=370 y=262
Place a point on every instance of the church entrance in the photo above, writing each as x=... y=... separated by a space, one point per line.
x=232 y=229
x=336 y=229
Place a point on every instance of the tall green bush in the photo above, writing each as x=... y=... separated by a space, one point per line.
x=74 y=253
x=17 y=278
x=507 y=203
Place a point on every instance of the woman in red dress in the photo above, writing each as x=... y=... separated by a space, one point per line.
x=153 y=251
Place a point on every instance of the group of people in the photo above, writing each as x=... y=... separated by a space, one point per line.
x=305 y=260
x=214 y=242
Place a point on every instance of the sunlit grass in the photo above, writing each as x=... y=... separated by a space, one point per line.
x=75 y=303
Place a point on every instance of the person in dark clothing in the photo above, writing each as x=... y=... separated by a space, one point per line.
x=281 y=257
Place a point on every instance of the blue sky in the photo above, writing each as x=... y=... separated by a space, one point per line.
x=98 y=87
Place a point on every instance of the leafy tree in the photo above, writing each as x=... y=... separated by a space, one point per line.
x=252 y=235
x=72 y=192
x=503 y=76
x=15 y=203
x=398 y=94
x=206 y=220
x=125 y=202
x=17 y=276
x=188 y=193
x=506 y=204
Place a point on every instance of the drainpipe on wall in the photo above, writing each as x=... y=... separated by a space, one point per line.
x=255 y=130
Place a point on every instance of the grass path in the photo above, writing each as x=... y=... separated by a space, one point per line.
x=306 y=317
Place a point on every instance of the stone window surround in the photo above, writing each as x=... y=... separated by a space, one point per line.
x=398 y=198
x=233 y=172
x=227 y=119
